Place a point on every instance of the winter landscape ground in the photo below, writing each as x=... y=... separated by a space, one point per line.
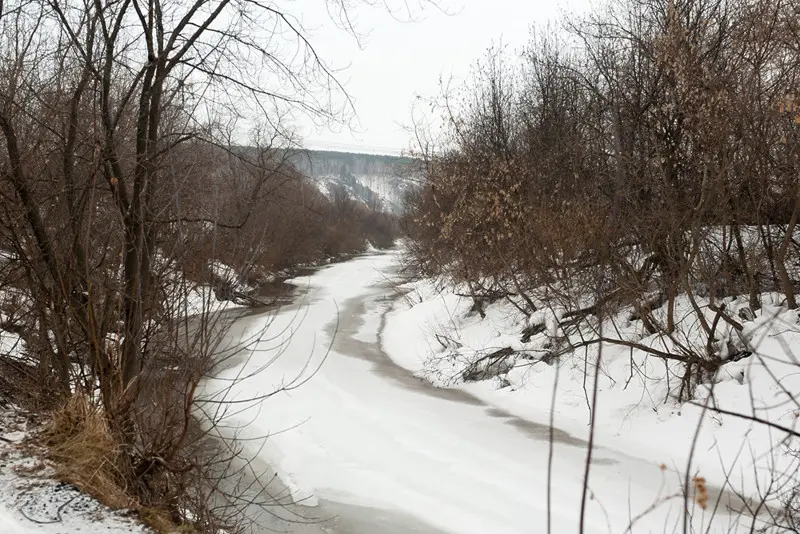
x=33 y=500
x=567 y=304
x=381 y=421
x=371 y=427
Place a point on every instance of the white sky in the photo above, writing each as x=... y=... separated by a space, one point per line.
x=399 y=60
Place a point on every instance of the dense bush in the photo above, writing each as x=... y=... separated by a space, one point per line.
x=623 y=156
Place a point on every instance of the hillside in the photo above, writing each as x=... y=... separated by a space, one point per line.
x=377 y=180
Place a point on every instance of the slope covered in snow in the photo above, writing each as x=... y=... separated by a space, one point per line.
x=376 y=180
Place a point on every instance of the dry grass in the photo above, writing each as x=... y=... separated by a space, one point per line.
x=160 y=521
x=85 y=451
x=87 y=455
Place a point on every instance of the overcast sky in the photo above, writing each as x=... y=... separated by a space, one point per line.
x=399 y=60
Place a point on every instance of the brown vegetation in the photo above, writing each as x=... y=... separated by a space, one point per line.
x=649 y=153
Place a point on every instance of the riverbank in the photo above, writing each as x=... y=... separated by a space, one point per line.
x=348 y=431
x=291 y=507
x=435 y=334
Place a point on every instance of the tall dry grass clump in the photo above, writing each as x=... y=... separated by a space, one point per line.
x=82 y=444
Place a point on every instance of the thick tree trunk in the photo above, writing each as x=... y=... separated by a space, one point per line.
x=138 y=245
x=766 y=241
x=748 y=272
x=780 y=256
x=136 y=285
x=672 y=292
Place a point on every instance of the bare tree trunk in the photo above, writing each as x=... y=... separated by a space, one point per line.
x=672 y=292
x=748 y=272
x=780 y=255
x=766 y=241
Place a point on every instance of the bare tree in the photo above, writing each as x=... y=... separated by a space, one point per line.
x=124 y=129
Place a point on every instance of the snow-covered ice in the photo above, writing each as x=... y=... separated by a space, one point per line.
x=636 y=412
x=348 y=425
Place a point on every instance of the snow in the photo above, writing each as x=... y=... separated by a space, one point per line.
x=32 y=501
x=14 y=303
x=385 y=188
x=223 y=272
x=8 y=524
x=201 y=300
x=192 y=298
x=346 y=424
x=636 y=411
x=11 y=345
x=351 y=417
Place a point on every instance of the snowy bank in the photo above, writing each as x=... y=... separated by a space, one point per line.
x=344 y=424
x=32 y=500
x=435 y=334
